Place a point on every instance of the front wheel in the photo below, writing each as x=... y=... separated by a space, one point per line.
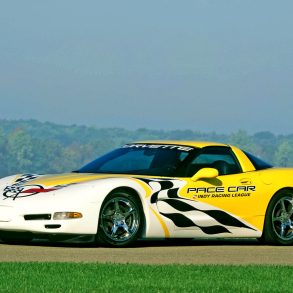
x=278 y=227
x=120 y=220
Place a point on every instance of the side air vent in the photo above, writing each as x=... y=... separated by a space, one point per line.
x=35 y=217
x=52 y=226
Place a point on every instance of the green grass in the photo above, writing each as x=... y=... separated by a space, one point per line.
x=89 y=277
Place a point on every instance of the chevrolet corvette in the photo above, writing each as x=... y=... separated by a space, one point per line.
x=154 y=189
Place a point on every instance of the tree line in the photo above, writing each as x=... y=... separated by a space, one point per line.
x=43 y=147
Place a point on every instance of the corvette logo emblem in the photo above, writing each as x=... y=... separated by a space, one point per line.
x=21 y=189
x=15 y=191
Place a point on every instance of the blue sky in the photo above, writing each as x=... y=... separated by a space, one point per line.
x=201 y=65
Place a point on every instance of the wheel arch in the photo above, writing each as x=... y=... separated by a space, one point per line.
x=288 y=188
x=279 y=191
x=283 y=189
x=133 y=192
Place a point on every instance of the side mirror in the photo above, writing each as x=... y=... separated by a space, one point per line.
x=205 y=173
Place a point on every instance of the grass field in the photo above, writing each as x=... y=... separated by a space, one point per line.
x=89 y=277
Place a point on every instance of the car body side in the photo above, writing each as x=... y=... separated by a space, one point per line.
x=159 y=196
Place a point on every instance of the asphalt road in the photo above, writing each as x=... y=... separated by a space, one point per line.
x=153 y=252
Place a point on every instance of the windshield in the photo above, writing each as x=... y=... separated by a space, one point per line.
x=141 y=159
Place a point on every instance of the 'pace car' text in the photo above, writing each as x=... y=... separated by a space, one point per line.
x=221 y=191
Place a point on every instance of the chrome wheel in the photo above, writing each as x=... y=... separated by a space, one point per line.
x=278 y=226
x=282 y=218
x=120 y=220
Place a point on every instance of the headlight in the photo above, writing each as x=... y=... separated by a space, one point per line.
x=67 y=215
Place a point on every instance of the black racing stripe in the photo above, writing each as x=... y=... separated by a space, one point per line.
x=165 y=184
x=220 y=216
x=183 y=222
x=154 y=197
x=226 y=219
x=179 y=205
x=173 y=193
x=217 y=229
x=147 y=181
x=180 y=220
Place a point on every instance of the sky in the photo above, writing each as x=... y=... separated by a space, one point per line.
x=204 y=65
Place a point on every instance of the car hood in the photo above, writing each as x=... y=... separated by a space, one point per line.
x=70 y=178
x=29 y=184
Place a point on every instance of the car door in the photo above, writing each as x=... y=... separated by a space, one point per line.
x=214 y=203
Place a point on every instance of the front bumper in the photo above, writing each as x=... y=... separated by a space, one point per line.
x=24 y=237
x=36 y=219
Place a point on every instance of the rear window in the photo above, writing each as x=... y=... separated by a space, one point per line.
x=257 y=163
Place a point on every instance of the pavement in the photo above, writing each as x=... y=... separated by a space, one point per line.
x=236 y=252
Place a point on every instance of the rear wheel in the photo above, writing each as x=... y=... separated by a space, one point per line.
x=279 y=219
x=120 y=221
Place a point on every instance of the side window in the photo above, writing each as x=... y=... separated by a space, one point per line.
x=220 y=158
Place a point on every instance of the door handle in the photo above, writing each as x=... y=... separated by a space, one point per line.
x=245 y=181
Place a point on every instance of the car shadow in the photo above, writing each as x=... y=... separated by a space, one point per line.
x=148 y=243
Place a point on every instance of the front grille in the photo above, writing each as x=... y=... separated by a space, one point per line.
x=37 y=217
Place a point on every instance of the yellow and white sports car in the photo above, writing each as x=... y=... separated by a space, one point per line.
x=154 y=189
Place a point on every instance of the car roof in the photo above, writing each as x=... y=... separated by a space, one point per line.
x=197 y=144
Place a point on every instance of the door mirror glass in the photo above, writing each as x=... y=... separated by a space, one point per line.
x=205 y=173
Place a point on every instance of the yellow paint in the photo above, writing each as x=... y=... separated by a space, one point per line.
x=70 y=178
x=146 y=188
x=67 y=178
x=250 y=208
x=164 y=226
x=243 y=160
x=196 y=144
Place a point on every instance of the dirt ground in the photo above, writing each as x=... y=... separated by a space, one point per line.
x=153 y=252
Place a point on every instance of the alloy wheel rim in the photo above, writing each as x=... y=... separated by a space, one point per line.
x=282 y=218
x=120 y=219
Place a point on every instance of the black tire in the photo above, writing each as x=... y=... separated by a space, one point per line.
x=120 y=221
x=278 y=227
